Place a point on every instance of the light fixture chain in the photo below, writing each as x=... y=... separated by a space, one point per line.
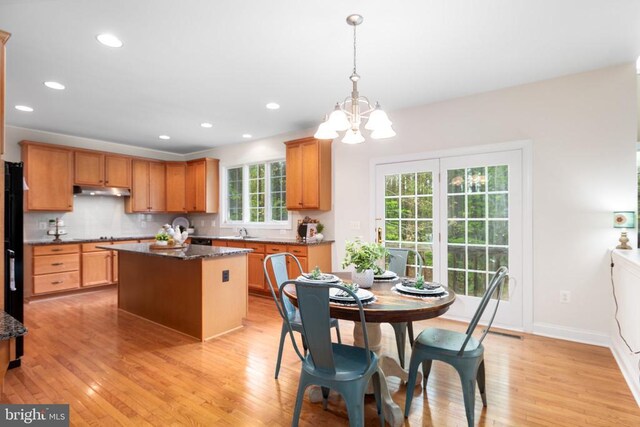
x=354 y=49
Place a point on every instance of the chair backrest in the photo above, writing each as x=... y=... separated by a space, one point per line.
x=398 y=259
x=278 y=264
x=313 y=304
x=494 y=288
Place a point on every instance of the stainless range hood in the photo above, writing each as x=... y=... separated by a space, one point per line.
x=86 y=190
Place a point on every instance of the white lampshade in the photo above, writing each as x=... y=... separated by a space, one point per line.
x=338 y=120
x=385 y=132
x=353 y=137
x=378 y=119
x=325 y=132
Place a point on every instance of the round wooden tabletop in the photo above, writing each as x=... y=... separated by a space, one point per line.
x=389 y=307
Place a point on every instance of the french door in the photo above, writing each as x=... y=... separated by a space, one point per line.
x=463 y=214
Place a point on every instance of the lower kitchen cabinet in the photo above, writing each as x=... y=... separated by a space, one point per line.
x=96 y=268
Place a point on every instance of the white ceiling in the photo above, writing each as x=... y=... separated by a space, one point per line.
x=190 y=61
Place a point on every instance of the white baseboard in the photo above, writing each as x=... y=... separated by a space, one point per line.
x=572 y=334
x=628 y=366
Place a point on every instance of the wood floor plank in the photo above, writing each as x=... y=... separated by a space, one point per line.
x=117 y=369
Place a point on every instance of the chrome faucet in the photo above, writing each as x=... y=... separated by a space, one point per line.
x=242 y=232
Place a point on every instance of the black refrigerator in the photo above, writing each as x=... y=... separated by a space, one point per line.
x=13 y=249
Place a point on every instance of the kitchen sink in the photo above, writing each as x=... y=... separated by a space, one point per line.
x=238 y=237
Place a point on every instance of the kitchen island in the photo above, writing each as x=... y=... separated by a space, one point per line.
x=200 y=291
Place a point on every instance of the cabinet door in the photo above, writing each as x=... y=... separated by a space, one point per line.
x=196 y=186
x=49 y=177
x=96 y=268
x=88 y=168
x=140 y=186
x=310 y=175
x=114 y=266
x=176 y=186
x=294 y=177
x=117 y=171
x=256 y=274
x=292 y=267
x=157 y=187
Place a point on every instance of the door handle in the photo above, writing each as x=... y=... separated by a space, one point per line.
x=12 y=269
x=379 y=235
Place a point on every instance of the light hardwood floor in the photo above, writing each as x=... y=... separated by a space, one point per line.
x=116 y=369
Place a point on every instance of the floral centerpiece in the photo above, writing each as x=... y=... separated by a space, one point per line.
x=363 y=256
x=162 y=239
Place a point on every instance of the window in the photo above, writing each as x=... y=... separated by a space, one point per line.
x=256 y=194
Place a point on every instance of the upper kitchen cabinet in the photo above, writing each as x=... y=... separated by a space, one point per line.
x=309 y=174
x=48 y=172
x=148 y=187
x=4 y=36
x=176 y=186
x=101 y=169
x=202 y=185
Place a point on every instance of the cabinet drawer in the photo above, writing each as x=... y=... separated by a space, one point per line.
x=297 y=250
x=56 y=249
x=55 y=263
x=93 y=247
x=56 y=282
x=275 y=249
x=235 y=244
x=257 y=247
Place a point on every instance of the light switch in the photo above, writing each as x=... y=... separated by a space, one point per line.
x=225 y=275
x=354 y=225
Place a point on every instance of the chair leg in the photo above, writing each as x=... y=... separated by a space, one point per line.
x=411 y=381
x=302 y=386
x=400 y=330
x=426 y=370
x=283 y=336
x=468 y=380
x=325 y=397
x=376 y=392
x=410 y=330
x=481 y=383
x=354 y=400
x=338 y=333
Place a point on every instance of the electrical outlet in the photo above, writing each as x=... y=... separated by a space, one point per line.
x=42 y=225
x=143 y=224
x=225 y=275
x=213 y=223
x=202 y=223
x=565 y=297
x=149 y=217
x=354 y=225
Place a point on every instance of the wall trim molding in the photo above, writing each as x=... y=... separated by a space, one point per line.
x=571 y=334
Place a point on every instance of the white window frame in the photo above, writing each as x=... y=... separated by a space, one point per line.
x=224 y=201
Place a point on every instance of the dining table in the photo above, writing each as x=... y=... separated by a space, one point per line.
x=389 y=306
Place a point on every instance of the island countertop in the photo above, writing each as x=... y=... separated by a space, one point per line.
x=190 y=252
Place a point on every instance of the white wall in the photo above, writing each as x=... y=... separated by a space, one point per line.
x=583 y=129
x=91 y=216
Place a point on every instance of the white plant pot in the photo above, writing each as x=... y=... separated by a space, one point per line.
x=319 y=237
x=364 y=279
x=162 y=242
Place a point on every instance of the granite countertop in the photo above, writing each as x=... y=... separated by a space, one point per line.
x=274 y=240
x=49 y=240
x=190 y=252
x=10 y=327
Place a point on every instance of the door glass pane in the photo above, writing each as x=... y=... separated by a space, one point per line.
x=234 y=194
x=408 y=217
x=478 y=227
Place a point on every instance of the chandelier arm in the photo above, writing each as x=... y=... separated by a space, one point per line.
x=354 y=49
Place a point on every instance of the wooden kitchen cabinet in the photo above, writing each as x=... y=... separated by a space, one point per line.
x=255 y=277
x=4 y=37
x=148 y=187
x=202 y=185
x=308 y=174
x=176 y=185
x=48 y=173
x=51 y=268
x=97 y=268
x=101 y=170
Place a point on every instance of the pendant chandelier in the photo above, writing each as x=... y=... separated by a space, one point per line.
x=349 y=114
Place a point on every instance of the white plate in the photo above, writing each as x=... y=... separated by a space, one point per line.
x=387 y=275
x=363 y=294
x=180 y=221
x=330 y=278
x=412 y=290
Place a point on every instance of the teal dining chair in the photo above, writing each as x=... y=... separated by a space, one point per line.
x=287 y=311
x=462 y=351
x=398 y=259
x=343 y=368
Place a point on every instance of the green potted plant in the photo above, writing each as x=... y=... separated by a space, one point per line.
x=363 y=256
x=319 y=228
x=162 y=239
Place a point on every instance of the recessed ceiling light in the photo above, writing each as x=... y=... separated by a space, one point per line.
x=24 y=108
x=206 y=125
x=246 y=135
x=109 y=40
x=54 y=85
x=273 y=106
x=164 y=137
